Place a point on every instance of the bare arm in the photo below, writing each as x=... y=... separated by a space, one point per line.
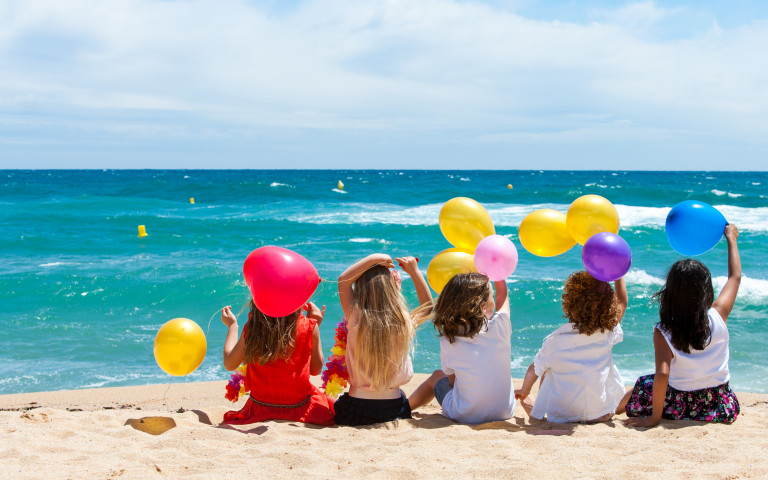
x=528 y=381
x=316 y=362
x=410 y=265
x=234 y=347
x=727 y=297
x=621 y=296
x=502 y=296
x=660 y=382
x=352 y=273
x=317 y=359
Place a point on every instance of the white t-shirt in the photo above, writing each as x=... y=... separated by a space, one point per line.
x=701 y=368
x=483 y=389
x=582 y=382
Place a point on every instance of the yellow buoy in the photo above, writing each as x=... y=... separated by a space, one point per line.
x=142 y=231
x=340 y=185
x=191 y=199
x=509 y=186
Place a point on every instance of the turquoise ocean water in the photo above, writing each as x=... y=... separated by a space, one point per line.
x=81 y=296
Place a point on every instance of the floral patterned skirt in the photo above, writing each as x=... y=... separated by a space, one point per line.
x=715 y=404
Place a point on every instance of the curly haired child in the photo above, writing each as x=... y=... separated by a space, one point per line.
x=474 y=384
x=691 y=348
x=580 y=382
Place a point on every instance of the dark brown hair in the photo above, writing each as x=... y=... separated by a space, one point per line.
x=460 y=308
x=683 y=304
x=590 y=304
x=269 y=338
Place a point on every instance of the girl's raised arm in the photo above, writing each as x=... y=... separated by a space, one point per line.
x=727 y=297
x=234 y=348
x=621 y=296
x=316 y=360
x=502 y=296
x=410 y=265
x=352 y=273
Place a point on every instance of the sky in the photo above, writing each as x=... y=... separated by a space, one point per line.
x=384 y=84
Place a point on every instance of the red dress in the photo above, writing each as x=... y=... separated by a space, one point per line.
x=281 y=390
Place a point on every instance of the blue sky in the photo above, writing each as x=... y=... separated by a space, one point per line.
x=517 y=84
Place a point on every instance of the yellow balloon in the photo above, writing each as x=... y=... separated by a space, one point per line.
x=543 y=233
x=180 y=347
x=464 y=222
x=591 y=214
x=446 y=264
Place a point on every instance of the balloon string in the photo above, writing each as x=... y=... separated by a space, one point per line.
x=167 y=388
x=207 y=330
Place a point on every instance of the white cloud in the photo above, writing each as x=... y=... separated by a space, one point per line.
x=387 y=65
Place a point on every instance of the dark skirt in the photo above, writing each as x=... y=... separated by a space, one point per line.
x=361 y=411
x=715 y=404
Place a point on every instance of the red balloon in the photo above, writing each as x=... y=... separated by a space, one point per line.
x=281 y=281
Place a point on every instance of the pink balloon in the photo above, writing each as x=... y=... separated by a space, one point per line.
x=280 y=280
x=496 y=257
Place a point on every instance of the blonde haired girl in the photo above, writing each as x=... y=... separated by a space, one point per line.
x=379 y=339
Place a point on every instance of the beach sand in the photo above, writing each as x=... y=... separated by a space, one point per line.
x=88 y=434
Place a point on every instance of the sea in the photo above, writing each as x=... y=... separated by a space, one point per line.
x=82 y=296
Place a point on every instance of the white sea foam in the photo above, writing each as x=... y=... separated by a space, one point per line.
x=632 y=216
x=369 y=240
x=277 y=184
x=641 y=277
x=55 y=264
x=510 y=215
x=747 y=219
x=721 y=193
x=751 y=290
x=338 y=191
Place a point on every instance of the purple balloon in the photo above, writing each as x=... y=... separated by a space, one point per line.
x=606 y=256
x=496 y=257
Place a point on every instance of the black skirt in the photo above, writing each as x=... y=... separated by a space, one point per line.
x=361 y=411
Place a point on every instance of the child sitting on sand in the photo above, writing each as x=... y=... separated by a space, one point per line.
x=281 y=354
x=380 y=334
x=475 y=383
x=580 y=382
x=691 y=345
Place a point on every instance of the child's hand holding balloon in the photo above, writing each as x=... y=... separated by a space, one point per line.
x=227 y=317
x=410 y=265
x=314 y=312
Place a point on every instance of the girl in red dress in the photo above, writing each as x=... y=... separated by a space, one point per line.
x=281 y=354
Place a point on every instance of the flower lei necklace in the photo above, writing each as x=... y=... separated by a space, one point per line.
x=335 y=375
x=236 y=385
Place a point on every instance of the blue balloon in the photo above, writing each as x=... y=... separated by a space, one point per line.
x=606 y=256
x=694 y=227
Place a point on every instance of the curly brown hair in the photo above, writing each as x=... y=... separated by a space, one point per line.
x=590 y=304
x=460 y=308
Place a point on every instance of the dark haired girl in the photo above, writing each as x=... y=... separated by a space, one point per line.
x=691 y=344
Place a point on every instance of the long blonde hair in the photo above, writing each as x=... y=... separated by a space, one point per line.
x=385 y=331
x=269 y=338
